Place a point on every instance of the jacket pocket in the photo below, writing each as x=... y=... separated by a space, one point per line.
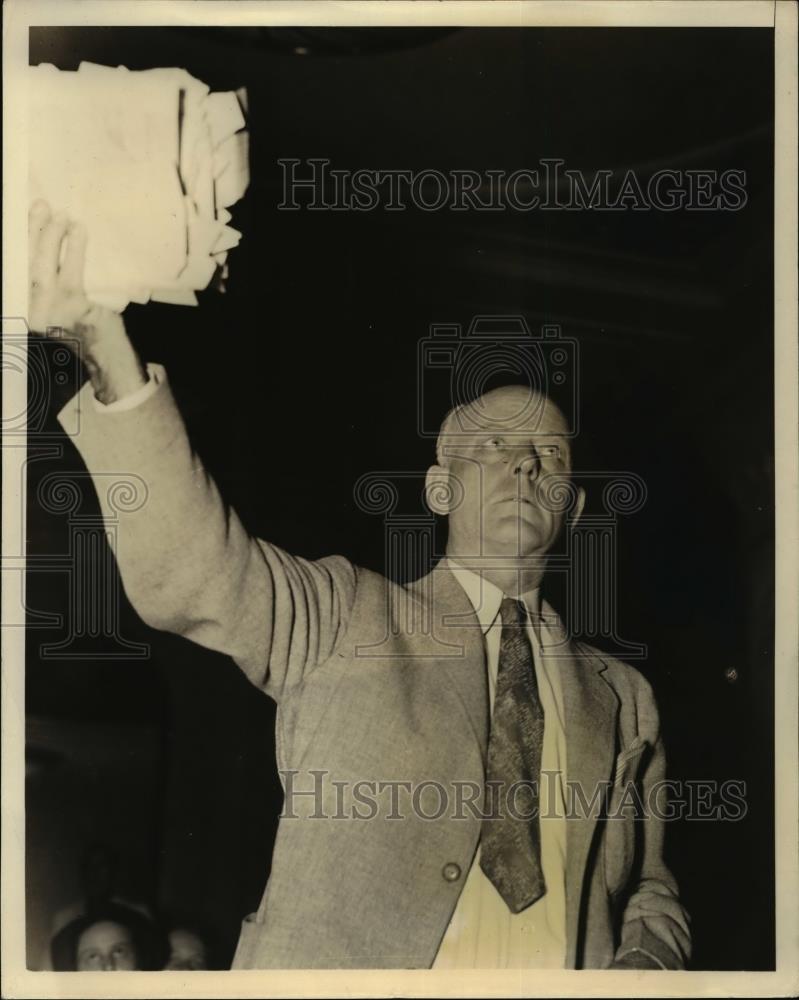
x=627 y=763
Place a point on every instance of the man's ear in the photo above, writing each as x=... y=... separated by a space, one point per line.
x=437 y=489
x=579 y=504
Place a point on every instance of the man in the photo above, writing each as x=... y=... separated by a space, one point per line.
x=392 y=699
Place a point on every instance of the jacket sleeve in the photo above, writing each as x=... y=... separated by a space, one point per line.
x=188 y=565
x=655 y=926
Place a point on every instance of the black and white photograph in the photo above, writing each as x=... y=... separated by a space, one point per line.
x=400 y=499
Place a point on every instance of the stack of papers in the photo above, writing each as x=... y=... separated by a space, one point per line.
x=150 y=163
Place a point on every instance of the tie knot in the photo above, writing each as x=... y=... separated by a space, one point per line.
x=513 y=612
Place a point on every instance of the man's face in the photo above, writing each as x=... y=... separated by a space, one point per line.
x=106 y=947
x=504 y=467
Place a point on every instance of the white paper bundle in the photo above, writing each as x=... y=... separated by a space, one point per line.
x=149 y=161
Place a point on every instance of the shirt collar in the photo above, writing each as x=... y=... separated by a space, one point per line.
x=486 y=597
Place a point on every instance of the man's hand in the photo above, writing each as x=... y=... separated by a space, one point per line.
x=58 y=307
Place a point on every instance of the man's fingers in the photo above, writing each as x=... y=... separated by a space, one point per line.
x=662 y=905
x=44 y=265
x=71 y=273
x=38 y=217
x=669 y=932
x=57 y=260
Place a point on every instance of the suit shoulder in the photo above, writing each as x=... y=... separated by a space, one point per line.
x=370 y=584
x=637 y=705
x=380 y=607
x=622 y=676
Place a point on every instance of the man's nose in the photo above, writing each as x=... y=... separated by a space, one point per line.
x=526 y=464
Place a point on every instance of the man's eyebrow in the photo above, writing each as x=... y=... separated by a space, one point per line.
x=523 y=436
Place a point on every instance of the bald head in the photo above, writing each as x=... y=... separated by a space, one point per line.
x=515 y=411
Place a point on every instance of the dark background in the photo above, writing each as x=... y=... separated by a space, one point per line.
x=302 y=377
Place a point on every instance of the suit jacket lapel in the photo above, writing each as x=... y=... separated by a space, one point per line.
x=457 y=643
x=590 y=707
x=591 y=710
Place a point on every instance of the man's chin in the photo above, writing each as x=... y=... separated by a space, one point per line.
x=525 y=543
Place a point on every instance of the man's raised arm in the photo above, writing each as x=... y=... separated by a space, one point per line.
x=187 y=564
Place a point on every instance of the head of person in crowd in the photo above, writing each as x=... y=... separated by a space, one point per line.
x=109 y=938
x=106 y=946
x=187 y=949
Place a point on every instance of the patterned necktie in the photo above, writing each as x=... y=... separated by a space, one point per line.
x=510 y=846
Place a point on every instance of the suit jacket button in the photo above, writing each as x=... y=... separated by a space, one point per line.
x=451 y=871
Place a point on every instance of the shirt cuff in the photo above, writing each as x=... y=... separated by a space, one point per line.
x=157 y=375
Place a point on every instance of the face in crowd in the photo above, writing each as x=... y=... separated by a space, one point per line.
x=186 y=951
x=106 y=947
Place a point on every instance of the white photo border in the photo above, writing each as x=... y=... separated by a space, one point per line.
x=19 y=16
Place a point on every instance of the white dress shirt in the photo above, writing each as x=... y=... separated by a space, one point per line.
x=483 y=933
x=156 y=375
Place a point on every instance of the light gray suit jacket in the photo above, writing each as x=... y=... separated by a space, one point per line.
x=376 y=683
